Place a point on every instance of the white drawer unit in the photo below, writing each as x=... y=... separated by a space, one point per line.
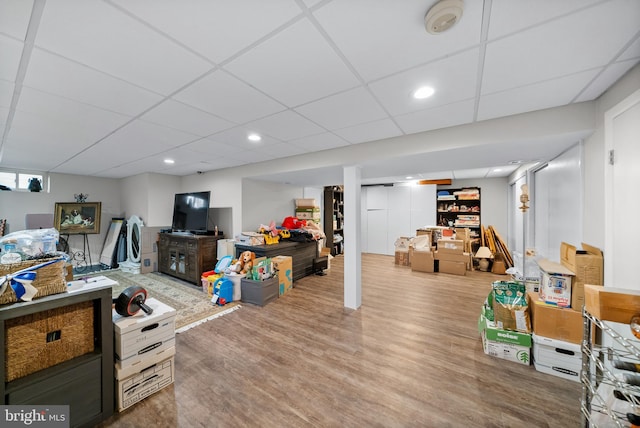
x=142 y=333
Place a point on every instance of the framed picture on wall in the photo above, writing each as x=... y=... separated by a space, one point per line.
x=77 y=217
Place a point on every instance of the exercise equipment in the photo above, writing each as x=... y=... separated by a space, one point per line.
x=131 y=300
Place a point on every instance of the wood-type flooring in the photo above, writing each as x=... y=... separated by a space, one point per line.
x=411 y=356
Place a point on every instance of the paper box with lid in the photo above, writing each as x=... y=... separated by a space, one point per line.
x=555 y=283
x=141 y=333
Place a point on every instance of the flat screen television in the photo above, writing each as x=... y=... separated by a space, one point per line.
x=191 y=212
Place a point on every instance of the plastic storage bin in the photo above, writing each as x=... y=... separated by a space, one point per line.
x=260 y=292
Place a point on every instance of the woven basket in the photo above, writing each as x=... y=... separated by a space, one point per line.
x=50 y=279
x=37 y=341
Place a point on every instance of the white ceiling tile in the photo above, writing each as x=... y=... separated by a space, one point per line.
x=438 y=117
x=632 y=52
x=14 y=17
x=508 y=16
x=55 y=75
x=311 y=3
x=602 y=81
x=386 y=36
x=280 y=150
x=4 y=114
x=19 y=155
x=215 y=29
x=214 y=148
x=286 y=125
x=145 y=133
x=6 y=93
x=342 y=110
x=81 y=120
x=289 y=70
x=470 y=173
x=237 y=137
x=186 y=118
x=376 y=130
x=131 y=51
x=319 y=142
x=453 y=79
x=551 y=51
x=229 y=98
x=10 y=52
x=539 y=96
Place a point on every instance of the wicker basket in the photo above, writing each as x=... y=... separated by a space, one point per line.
x=50 y=279
x=37 y=341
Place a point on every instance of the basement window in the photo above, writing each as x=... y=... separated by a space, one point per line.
x=15 y=180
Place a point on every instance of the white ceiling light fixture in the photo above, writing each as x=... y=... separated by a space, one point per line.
x=169 y=161
x=254 y=137
x=443 y=15
x=423 y=92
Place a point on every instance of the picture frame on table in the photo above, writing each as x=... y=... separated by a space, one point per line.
x=77 y=217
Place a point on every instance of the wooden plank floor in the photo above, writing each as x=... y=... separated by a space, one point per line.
x=409 y=357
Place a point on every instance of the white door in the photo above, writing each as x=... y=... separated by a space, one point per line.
x=622 y=205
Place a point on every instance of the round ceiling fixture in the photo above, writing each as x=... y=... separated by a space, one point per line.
x=443 y=15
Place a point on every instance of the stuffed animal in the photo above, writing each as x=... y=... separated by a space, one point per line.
x=246 y=261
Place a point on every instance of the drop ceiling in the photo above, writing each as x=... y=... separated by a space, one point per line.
x=111 y=88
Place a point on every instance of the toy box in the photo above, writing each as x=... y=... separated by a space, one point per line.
x=284 y=265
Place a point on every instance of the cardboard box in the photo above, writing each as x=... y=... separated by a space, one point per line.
x=557 y=357
x=133 y=386
x=149 y=239
x=284 y=265
x=588 y=267
x=148 y=262
x=142 y=333
x=508 y=345
x=611 y=303
x=402 y=244
x=306 y=202
x=402 y=258
x=453 y=246
x=555 y=283
x=554 y=322
x=422 y=261
x=455 y=257
x=308 y=213
x=454 y=268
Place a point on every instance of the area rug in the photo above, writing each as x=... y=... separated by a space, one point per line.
x=193 y=306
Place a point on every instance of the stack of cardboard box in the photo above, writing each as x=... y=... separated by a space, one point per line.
x=307 y=209
x=555 y=311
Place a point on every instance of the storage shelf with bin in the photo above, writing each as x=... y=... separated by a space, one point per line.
x=610 y=358
x=459 y=208
x=58 y=350
x=334 y=219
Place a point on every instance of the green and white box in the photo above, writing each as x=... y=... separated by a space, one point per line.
x=507 y=345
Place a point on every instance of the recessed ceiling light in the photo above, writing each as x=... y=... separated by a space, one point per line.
x=254 y=137
x=497 y=169
x=408 y=177
x=169 y=161
x=423 y=92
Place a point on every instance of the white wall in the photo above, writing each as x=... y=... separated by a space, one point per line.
x=265 y=201
x=389 y=212
x=15 y=205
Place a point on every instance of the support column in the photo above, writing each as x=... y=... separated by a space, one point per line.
x=352 y=238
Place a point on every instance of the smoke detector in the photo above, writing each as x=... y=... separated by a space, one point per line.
x=443 y=15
